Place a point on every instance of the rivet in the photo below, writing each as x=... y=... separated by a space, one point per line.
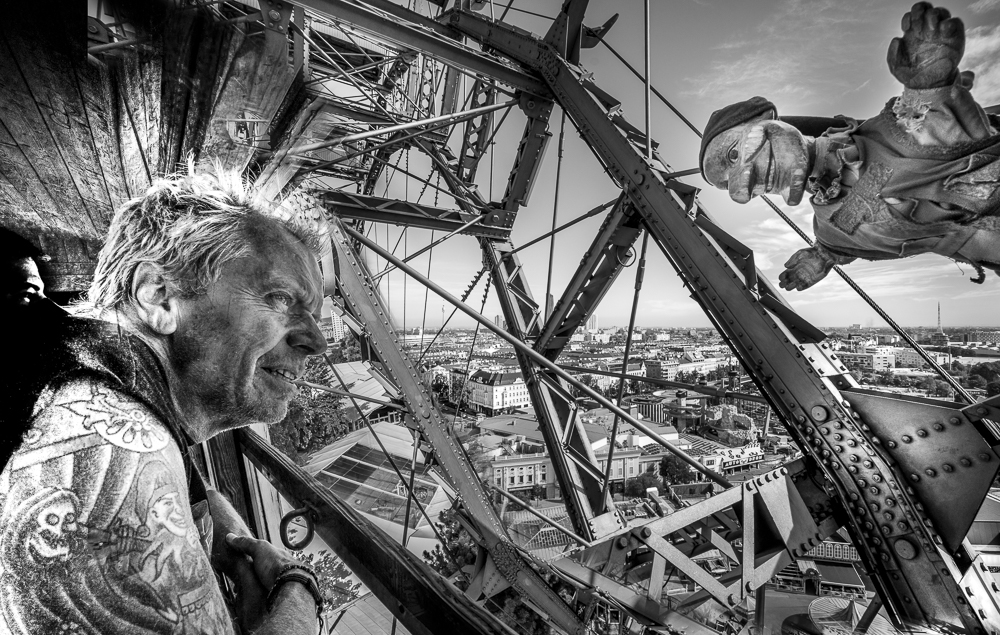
x=914 y=478
x=930 y=472
x=938 y=427
x=906 y=438
x=948 y=467
x=984 y=457
x=921 y=433
x=965 y=462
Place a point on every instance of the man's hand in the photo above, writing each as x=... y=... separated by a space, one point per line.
x=267 y=559
x=805 y=268
x=932 y=45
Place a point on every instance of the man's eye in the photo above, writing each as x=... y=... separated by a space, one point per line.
x=282 y=300
x=734 y=154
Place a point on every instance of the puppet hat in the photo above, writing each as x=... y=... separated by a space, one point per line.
x=732 y=115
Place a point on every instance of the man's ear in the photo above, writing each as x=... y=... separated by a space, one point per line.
x=156 y=300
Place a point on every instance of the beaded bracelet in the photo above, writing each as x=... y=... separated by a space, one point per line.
x=296 y=573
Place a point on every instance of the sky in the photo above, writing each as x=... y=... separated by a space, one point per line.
x=810 y=57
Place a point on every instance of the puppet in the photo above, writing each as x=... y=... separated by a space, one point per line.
x=921 y=176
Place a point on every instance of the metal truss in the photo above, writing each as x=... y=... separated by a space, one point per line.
x=903 y=476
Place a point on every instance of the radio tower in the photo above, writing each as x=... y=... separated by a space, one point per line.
x=939 y=317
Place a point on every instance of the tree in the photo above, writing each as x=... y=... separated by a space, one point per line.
x=976 y=381
x=993 y=388
x=335 y=579
x=675 y=471
x=459 y=544
x=480 y=459
x=637 y=486
x=314 y=419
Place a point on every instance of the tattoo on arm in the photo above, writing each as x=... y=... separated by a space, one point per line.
x=97 y=533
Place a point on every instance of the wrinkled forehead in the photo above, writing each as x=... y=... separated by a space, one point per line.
x=276 y=252
x=716 y=163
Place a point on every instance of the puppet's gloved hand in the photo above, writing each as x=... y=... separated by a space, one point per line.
x=932 y=45
x=805 y=268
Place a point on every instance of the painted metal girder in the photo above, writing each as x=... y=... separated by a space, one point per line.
x=407 y=28
x=573 y=460
x=757 y=528
x=798 y=375
x=598 y=270
x=418 y=597
x=395 y=211
x=363 y=302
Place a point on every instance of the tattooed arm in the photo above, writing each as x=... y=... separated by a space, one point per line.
x=96 y=528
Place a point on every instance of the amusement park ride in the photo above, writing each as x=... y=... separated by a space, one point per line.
x=336 y=88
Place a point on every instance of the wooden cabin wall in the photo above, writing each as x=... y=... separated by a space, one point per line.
x=81 y=135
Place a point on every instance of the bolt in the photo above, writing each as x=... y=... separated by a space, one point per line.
x=274 y=15
x=622 y=542
x=646 y=532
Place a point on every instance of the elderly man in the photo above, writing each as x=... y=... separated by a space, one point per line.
x=922 y=176
x=208 y=305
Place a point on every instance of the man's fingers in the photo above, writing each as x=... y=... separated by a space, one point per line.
x=243 y=544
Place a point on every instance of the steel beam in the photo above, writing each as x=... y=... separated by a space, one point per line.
x=427 y=41
x=801 y=378
x=363 y=302
x=387 y=210
x=598 y=270
x=418 y=597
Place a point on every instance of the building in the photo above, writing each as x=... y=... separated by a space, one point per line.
x=992 y=337
x=909 y=358
x=720 y=458
x=592 y=323
x=491 y=392
x=662 y=369
x=332 y=328
x=871 y=362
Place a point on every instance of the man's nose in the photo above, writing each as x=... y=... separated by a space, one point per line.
x=309 y=338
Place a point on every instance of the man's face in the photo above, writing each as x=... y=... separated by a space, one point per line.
x=239 y=345
x=758 y=157
x=21 y=283
x=168 y=512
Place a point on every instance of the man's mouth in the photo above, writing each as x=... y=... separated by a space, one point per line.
x=281 y=373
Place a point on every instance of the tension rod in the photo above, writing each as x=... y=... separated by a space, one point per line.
x=640 y=270
x=390 y=269
x=540 y=359
x=594 y=212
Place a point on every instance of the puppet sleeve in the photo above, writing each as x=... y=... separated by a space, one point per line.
x=946 y=117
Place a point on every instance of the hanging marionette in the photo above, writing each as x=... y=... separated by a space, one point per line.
x=921 y=176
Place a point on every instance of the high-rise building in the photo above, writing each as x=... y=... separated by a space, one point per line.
x=592 y=323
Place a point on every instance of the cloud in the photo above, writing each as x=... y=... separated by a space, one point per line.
x=982 y=48
x=799 y=53
x=983 y=6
